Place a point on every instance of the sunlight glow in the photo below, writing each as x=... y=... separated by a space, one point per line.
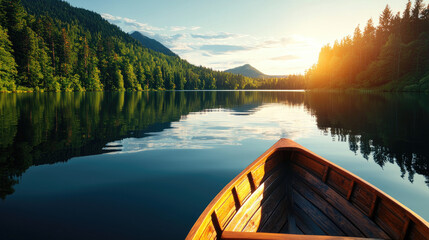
x=216 y=127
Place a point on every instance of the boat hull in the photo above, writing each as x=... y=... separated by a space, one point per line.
x=289 y=192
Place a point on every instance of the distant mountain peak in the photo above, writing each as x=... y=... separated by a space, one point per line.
x=152 y=43
x=247 y=70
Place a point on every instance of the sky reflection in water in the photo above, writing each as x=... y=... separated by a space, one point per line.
x=216 y=127
x=175 y=151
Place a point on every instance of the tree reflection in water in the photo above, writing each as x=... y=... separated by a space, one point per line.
x=48 y=128
x=391 y=127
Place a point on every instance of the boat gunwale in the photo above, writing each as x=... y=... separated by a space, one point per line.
x=287 y=144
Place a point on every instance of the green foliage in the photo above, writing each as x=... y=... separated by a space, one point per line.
x=393 y=56
x=57 y=47
x=290 y=82
x=7 y=63
x=119 y=81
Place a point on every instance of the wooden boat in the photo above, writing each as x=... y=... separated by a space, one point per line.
x=291 y=193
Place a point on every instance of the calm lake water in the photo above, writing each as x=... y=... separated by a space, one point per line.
x=140 y=165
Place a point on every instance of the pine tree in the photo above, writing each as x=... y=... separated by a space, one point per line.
x=158 y=80
x=119 y=80
x=94 y=77
x=32 y=74
x=141 y=77
x=8 y=70
x=384 y=27
x=131 y=78
x=417 y=9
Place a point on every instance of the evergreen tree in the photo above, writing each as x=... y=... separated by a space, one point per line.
x=158 y=80
x=384 y=27
x=32 y=75
x=141 y=77
x=59 y=47
x=131 y=79
x=119 y=80
x=7 y=63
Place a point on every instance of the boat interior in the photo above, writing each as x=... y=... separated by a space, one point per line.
x=291 y=193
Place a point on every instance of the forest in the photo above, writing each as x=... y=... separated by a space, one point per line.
x=65 y=125
x=292 y=82
x=48 y=45
x=393 y=56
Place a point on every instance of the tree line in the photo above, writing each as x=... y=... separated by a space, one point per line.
x=391 y=56
x=293 y=82
x=48 y=45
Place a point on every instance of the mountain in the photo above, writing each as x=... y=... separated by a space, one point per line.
x=248 y=71
x=152 y=44
x=49 y=45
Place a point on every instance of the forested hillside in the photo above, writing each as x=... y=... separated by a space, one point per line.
x=152 y=43
x=391 y=56
x=47 y=45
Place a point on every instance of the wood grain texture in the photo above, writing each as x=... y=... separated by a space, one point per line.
x=317 y=216
x=324 y=199
x=255 y=201
x=264 y=212
x=328 y=210
x=278 y=218
x=360 y=220
x=304 y=223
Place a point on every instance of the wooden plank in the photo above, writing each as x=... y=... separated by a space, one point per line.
x=417 y=232
x=265 y=211
x=261 y=172
x=305 y=223
x=244 y=190
x=226 y=211
x=360 y=220
x=216 y=224
x=339 y=182
x=389 y=222
x=285 y=229
x=309 y=164
x=209 y=232
x=418 y=228
x=289 y=205
x=349 y=193
x=278 y=217
x=278 y=236
x=325 y=173
x=318 y=217
x=243 y=215
x=251 y=181
x=237 y=201
x=362 y=197
x=223 y=195
x=373 y=207
x=331 y=212
x=405 y=229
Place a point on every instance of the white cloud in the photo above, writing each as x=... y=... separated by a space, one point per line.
x=177 y=28
x=214 y=127
x=194 y=28
x=223 y=50
x=110 y=17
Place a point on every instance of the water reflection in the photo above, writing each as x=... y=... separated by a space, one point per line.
x=392 y=128
x=217 y=127
x=47 y=128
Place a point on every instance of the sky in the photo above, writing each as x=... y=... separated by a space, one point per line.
x=278 y=37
